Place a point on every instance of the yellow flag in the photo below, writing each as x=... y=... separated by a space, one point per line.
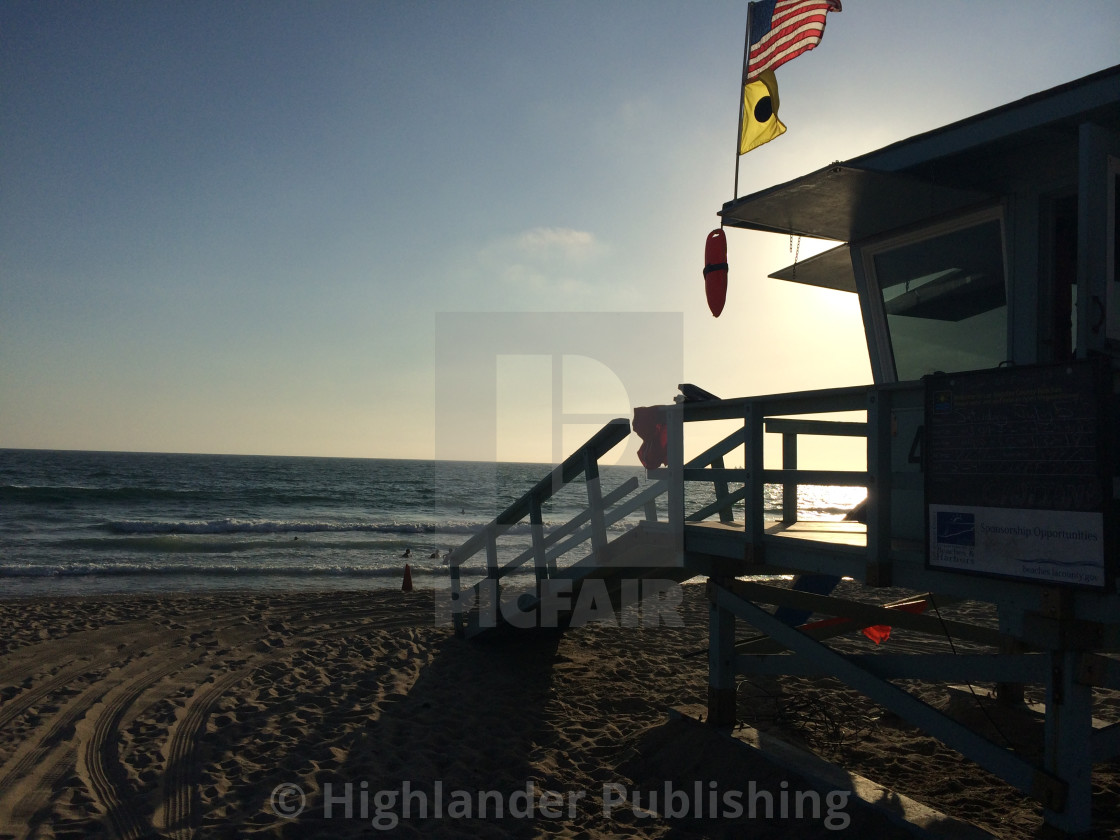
x=760 y=112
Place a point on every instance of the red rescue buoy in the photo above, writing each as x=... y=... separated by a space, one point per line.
x=715 y=270
x=406 y=584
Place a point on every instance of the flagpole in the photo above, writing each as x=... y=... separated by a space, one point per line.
x=742 y=97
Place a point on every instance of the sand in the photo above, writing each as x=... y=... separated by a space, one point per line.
x=241 y=715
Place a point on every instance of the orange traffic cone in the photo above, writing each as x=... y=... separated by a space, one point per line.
x=406 y=586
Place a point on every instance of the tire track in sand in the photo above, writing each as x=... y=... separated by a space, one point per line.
x=24 y=700
x=79 y=733
x=97 y=761
x=176 y=815
x=29 y=776
x=94 y=650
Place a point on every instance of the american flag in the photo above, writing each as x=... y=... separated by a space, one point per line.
x=783 y=29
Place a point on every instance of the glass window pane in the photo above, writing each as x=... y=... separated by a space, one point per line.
x=945 y=301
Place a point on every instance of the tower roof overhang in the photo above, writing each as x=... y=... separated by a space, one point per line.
x=942 y=171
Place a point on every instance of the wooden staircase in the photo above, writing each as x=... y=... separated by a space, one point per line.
x=612 y=574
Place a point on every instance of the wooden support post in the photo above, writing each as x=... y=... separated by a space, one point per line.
x=457 y=616
x=595 y=505
x=755 y=524
x=1009 y=694
x=721 y=660
x=540 y=555
x=1068 y=734
x=492 y=575
x=675 y=439
x=789 y=488
x=491 y=554
x=878 y=488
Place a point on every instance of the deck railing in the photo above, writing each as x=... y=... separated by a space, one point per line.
x=782 y=414
x=789 y=415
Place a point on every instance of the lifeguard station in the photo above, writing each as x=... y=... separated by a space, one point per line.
x=984 y=257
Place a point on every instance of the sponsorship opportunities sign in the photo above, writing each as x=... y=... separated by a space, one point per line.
x=1055 y=546
x=1018 y=478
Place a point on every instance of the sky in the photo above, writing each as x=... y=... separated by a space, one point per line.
x=243 y=227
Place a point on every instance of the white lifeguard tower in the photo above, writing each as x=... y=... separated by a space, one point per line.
x=984 y=256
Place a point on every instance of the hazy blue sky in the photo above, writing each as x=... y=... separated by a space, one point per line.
x=229 y=227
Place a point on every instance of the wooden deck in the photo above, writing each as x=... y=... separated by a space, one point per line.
x=840 y=533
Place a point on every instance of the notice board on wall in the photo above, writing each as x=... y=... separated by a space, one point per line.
x=1018 y=472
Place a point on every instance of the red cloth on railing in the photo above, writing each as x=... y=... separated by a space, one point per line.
x=649 y=424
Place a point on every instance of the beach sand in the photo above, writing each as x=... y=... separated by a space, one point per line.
x=221 y=715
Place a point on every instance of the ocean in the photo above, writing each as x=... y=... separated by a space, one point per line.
x=84 y=523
